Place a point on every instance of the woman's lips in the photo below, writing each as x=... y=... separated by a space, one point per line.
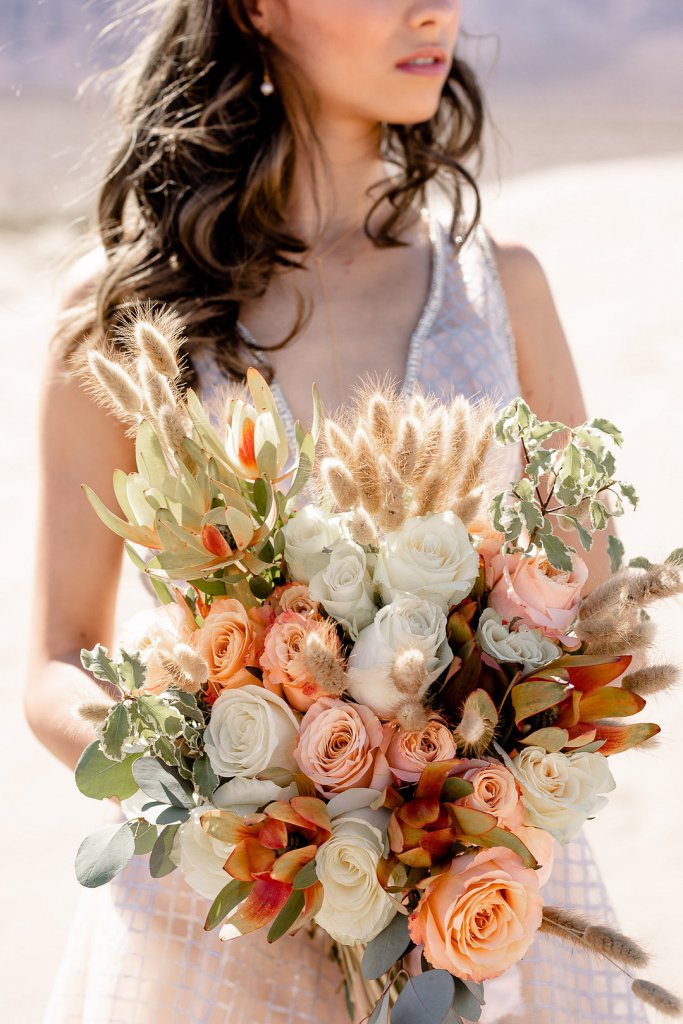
x=432 y=68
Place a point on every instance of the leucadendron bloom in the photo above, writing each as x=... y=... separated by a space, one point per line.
x=561 y=791
x=520 y=645
x=256 y=439
x=344 y=587
x=250 y=731
x=480 y=917
x=431 y=557
x=310 y=536
x=355 y=907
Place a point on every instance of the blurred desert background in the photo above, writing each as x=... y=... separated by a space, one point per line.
x=585 y=166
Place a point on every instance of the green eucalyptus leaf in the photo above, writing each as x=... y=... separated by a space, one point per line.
x=161 y=783
x=145 y=836
x=215 y=588
x=616 y=551
x=608 y=428
x=156 y=813
x=228 y=898
x=98 y=662
x=262 y=497
x=260 y=587
x=380 y=1014
x=288 y=916
x=186 y=703
x=386 y=948
x=465 y=1002
x=558 y=553
x=160 y=863
x=103 y=854
x=204 y=777
x=115 y=731
x=425 y=999
x=99 y=777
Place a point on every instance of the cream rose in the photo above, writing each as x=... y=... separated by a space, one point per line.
x=342 y=746
x=344 y=588
x=199 y=857
x=409 y=753
x=250 y=730
x=521 y=645
x=560 y=791
x=245 y=796
x=355 y=907
x=310 y=535
x=480 y=917
x=408 y=623
x=545 y=599
x=431 y=557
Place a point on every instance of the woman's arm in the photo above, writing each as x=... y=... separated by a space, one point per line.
x=78 y=561
x=546 y=369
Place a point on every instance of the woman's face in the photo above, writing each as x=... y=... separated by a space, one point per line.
x=370 y=60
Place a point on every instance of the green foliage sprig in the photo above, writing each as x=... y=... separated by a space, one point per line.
x=567 y=486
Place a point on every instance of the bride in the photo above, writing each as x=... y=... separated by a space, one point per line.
x=272 y=186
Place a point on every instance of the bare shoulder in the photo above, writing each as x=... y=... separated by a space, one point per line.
x=82 y=279
x=547 y=374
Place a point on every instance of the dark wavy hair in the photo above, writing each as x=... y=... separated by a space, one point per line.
x=193 y=209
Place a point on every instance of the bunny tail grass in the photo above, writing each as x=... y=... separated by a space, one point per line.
x=652 y=679
x=614 y=945
x=657 y=997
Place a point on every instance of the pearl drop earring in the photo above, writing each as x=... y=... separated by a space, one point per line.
x=267 y=88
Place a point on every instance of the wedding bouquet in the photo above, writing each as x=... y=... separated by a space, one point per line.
x=374 y=712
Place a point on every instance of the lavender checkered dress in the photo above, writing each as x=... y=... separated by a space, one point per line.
x=137 y=952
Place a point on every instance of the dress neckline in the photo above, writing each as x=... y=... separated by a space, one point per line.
x=417 y=338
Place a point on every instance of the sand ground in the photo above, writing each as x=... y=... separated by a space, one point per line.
x=609 y=237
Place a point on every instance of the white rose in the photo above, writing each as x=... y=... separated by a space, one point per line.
x=355 y=907
x=309 y=537
x=408 y=623
x=245 y=796
x=431 y=557
x=199 y=857
x=251 y=729
x=560 y=791
x=523 y=645
x=344 y=587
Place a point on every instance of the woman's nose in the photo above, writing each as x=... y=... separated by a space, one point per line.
x=433 y=13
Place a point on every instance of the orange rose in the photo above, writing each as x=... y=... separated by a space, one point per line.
x=283 y=661
x=480 y=917
x=230 y=641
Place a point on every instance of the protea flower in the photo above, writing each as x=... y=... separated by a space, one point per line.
x=256 y=439
x=271 y=849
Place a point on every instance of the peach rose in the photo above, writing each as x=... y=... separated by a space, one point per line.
x=480 y=917
x=231 y=641
x=488 y=543
x=496 y=792
x=283 y=661
x=293 y=597
x=545 y=599
x=343 y=746
x=409 y=752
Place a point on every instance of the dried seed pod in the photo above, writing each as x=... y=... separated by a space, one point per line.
x=409 y=671
x=155 y=387
x=154 y=345
x=322 y=660
x=340 y=483
x=662 y=1000
x=477 y=725
x=651 y=679
x=613 y=944
x=362 y=528
x=116 y=384
x=407 y=450
x=366 y=472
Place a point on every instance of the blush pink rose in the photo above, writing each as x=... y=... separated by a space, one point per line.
x=283 y=660
x=293 y=597
x=409 y=752
x=545 y=599
x=480 y=917
x=488 y=543
x=343 y=746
